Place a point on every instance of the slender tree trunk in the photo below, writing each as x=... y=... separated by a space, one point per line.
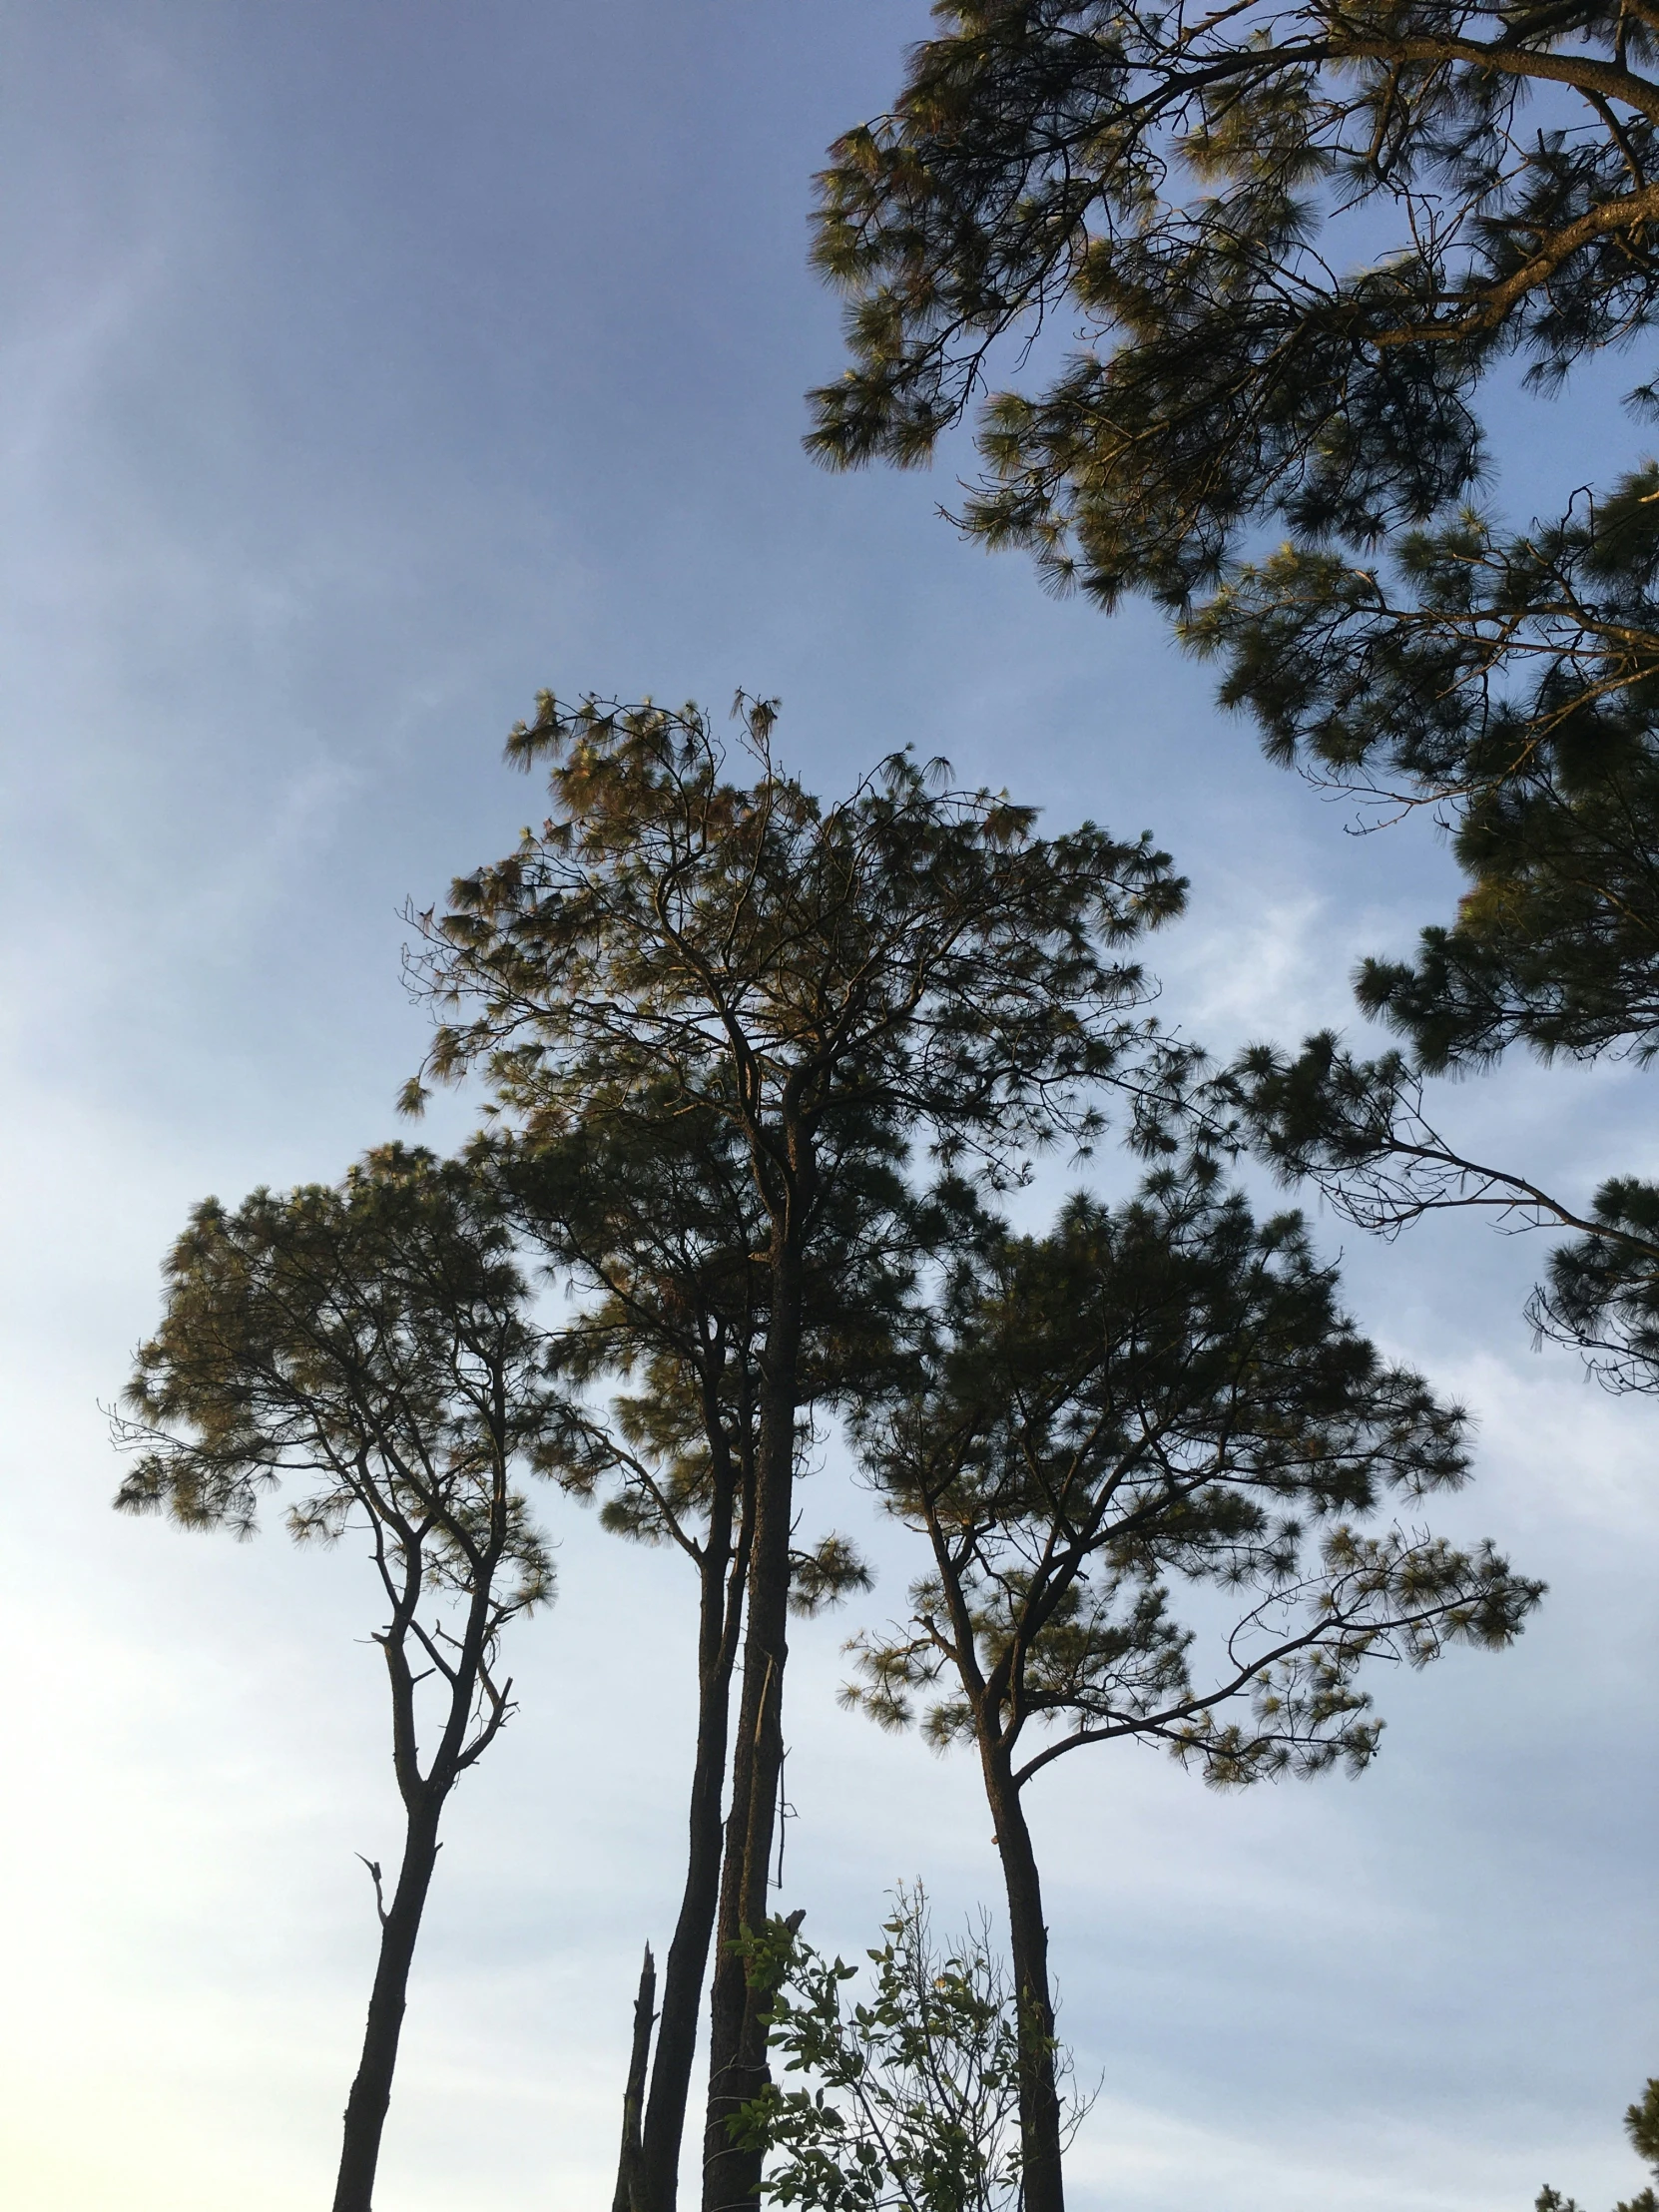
x=627 y=2197
x=737 y=2041
x=1039 y=2100
x=688 y=1956
x=736 y=2038
x=365 y=2110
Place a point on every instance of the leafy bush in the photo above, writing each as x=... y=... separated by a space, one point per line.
x=910 y=2094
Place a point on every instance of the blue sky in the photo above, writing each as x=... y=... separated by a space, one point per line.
x=367 y=367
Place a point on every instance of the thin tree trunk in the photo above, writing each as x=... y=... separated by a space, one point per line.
x=737 y=2041
x=627 y=2197
x=365 y=2110
x=1039 y=2100
x=737 y=2037
x=688 y=1956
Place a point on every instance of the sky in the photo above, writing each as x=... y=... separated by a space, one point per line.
x=366 y=368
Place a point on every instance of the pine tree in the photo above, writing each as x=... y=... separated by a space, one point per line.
x=649 y=1209
x=1155 y=1399
x=1291 y=241
x=907 y=966
x=1295 y=243
x=653 y=1216
x=366 y=1348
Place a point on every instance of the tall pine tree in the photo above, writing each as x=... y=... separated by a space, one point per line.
x=368 y=1349
x=1156 y=1402
x=907 y=966
x=649 y=1212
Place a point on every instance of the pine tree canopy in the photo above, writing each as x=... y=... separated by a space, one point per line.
x=1293 y=240
x=703 y=1004
x=650 y=1210
x=1160 y=1396
x=911 y=953
x=368 y=1347
x=1291 y=243
x=650 y=1219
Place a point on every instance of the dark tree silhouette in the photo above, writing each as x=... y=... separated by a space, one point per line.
x=1163 y=1397
x=908 y=967
x=648 y=1207
x=1294 y=244
x=1361 y=1131
x=366 y=1348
